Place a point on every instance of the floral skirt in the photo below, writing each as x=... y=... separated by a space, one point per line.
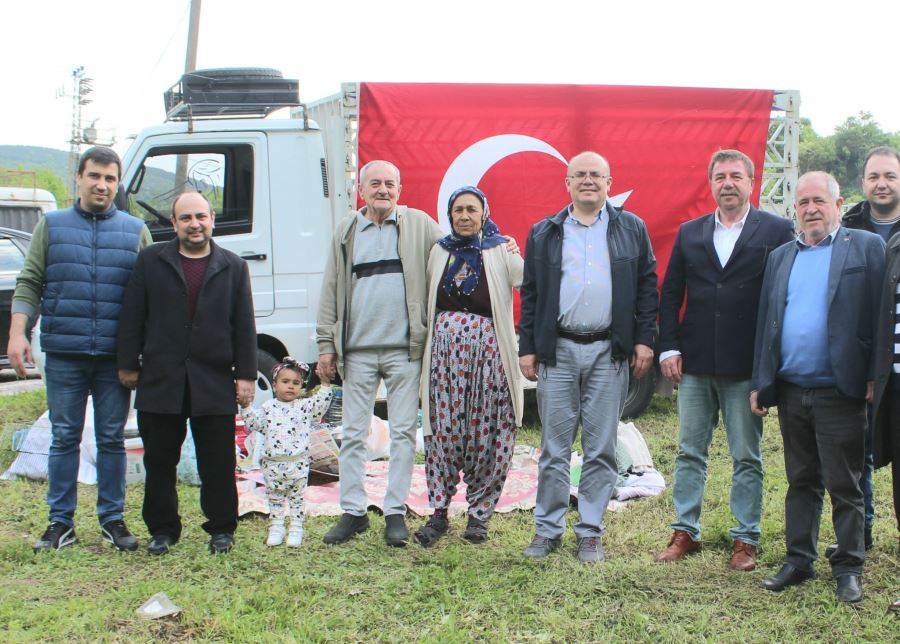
x=473 y=422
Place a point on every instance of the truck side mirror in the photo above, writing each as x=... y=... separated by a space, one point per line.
x=121 y=200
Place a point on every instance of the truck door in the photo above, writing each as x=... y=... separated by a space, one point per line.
x=225 y=167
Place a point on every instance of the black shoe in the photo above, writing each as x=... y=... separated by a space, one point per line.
x=160 y=544
x=849 y=588
x=348 y=527
x=541 y=547
x=117 y=534
x=787 y=576
x=221 y=543
x=395 y=532
x=56 y=537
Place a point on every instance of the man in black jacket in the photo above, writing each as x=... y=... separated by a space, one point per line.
x=879 y=213
x=187 y=341
x=717 y=265
x=589 y=308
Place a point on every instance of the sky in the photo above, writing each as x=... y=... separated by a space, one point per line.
x=134 y=50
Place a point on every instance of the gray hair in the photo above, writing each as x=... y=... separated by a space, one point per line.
x=834 y=189
x=365 y=168
x=731 y=155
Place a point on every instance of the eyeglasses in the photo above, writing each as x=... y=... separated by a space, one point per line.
x=593 y=174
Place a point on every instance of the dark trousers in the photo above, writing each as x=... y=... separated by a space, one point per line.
x=163 y=435
x=894 y=438
x=824 y=449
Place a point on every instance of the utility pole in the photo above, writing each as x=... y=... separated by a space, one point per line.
x=190 y=64
x=81 y=87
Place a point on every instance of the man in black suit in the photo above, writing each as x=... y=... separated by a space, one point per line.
x=717 y=263
x=814 y=360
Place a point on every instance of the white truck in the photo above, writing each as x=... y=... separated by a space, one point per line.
x=21 y=208
x=279 y=185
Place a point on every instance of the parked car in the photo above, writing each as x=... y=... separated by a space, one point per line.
x=13 y=248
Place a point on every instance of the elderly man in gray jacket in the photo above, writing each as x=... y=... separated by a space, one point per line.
x=371 y=326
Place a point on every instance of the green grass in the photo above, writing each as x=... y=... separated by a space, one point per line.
x=455 y=592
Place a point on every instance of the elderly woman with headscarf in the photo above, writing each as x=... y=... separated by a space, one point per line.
x=471 y=392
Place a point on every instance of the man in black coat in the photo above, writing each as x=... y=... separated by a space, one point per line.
x=187 y=342
x=717 y=265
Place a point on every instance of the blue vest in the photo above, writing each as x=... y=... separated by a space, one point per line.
x=89 y=261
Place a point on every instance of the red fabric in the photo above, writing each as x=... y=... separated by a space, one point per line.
x=658 y=141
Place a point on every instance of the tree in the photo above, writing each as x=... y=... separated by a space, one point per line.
x=39 y=177
x=844 y=152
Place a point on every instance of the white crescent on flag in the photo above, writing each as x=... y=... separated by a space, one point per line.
x=474 y=162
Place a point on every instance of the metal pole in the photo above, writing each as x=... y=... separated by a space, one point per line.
x=190 y=64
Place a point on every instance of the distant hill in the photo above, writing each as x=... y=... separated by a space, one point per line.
x=31 y=156
x=27 y=157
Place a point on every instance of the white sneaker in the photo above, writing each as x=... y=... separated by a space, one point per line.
x=295 y=537
x=276 y=534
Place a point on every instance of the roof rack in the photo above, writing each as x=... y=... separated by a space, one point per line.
x=222 y=93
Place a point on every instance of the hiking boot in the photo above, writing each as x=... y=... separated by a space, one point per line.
x=590 y=550
x=295 y=536
x=57 y=536
x=276 y=533
x=348 y=527
x=118 y=534
x=221 y=543
x=395 y=532
x=540 y=547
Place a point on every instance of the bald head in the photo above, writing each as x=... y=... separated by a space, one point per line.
x=588 y=182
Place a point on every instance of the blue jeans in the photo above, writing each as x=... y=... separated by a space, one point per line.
x=700 y=398
x=69 y=380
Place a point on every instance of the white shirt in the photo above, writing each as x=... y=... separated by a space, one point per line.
x=724 y=238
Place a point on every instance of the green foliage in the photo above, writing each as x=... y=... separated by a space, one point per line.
x=364 y=591
x=42 y=177
x=844 y=152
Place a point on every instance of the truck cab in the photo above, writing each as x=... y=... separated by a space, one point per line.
x=266 y=180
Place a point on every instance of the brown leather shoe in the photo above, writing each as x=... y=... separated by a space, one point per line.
x=743 y=557
x=680 y=545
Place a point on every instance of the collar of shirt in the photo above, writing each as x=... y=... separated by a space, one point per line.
x=739 y=223
x=363 y=222
x=829 y=238
x=571 y=218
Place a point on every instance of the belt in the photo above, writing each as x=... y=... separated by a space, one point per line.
x=583 y=338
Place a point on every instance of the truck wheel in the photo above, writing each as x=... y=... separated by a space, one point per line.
x=234 y=73
x=639 y=394
x=264 y=365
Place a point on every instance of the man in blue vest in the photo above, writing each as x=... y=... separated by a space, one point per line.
x=75 y=273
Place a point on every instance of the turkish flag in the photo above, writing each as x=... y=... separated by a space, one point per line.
x=512 y=141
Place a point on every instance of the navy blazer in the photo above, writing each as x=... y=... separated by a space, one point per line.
x=854 y=288
x=715 y=336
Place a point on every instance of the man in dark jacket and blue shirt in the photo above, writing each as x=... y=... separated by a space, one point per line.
x=75 y=273
x=589 y=306
x=813 y=358
x=187 y=341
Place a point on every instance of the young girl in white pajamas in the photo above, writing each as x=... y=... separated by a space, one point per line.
x=285 y=423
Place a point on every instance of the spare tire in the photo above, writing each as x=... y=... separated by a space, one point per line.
x=234 y=73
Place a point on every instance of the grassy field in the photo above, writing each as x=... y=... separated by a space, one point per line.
x=455 y=592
